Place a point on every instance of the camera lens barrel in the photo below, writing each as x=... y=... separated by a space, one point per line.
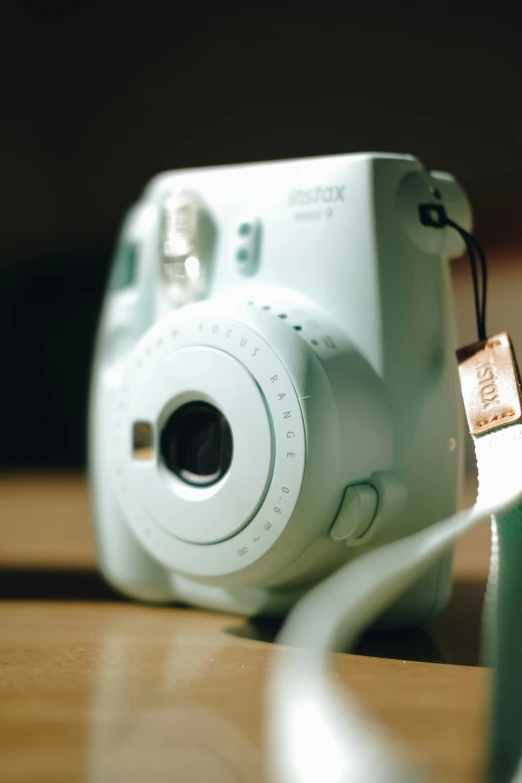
x=250 y=429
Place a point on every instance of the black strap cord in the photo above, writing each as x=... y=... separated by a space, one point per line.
x=434 y=216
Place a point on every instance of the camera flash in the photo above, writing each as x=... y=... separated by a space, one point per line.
x=186 y=245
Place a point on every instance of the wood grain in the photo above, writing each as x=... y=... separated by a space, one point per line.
x=94 y=688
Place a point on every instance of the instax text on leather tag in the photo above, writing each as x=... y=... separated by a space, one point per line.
x=490 y=384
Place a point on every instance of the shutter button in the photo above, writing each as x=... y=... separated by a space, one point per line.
x=357 y=512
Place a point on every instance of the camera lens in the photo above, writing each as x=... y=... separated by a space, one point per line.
x=196 y=444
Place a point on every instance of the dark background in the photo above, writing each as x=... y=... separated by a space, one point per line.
x=97 y=98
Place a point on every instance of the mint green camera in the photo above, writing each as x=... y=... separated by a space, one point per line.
x=274 y=391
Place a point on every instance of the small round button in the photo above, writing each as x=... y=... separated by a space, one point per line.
x=244 y=229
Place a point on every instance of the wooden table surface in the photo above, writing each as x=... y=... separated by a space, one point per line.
x=94 y=688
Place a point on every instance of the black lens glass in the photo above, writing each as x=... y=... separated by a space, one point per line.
x=196 y=444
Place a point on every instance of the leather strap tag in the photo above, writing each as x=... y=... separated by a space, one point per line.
x=490 y=383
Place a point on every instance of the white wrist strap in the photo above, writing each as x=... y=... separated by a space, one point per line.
x=318 y=734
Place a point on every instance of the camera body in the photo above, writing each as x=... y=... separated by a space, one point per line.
x=274 y=389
